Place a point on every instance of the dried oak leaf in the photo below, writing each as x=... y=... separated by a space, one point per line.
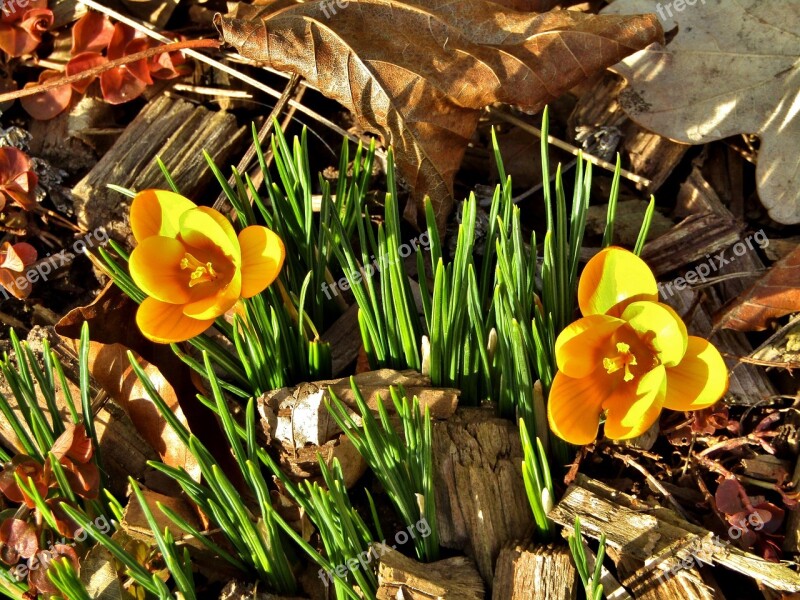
x=731 y=68
x=775 y=294
x=422 y=86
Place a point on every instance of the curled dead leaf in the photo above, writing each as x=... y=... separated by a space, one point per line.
x=422 y=87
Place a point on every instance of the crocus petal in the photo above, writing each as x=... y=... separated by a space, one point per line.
x=661 y=326
x=262 y=257
x=166 y=324
x=158 y=212
x=581 y=346
x=634 y=406
x=207 y=229
x=574 y=406
x=612 y=276
x=700 y=379
x=216 y=304
x=155 y=266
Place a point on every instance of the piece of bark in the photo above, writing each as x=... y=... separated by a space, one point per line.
x=791 y=540
x=749 y=384
x=344 y=340
x=481 y=503
x=693 y=239
x=450 y=579
x=172 y=129
x=653 y=534
x=535 y=572
x=767 y=468
x=647 y=583
x=648 y=154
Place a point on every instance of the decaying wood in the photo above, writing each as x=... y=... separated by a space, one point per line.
x=296 y=420
x=653 y=534
x=651 y=155
x=767 y=468
x=450 y=579
x=480 y=496
x=172 y=129
x=535 y=572
x=791 y=542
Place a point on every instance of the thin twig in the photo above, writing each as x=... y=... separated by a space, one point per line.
x=94 y=71
x=652 y=480
x=574 y=150
x=265 y=130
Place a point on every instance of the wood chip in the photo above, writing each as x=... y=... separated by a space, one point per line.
x=402 y=578
x=654 y=535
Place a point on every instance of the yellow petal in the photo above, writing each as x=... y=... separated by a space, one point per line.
x=661 y=326
x=262 y=257
x=218 y=303
x=700 y=379
x=612 y=276
x=207 y=229
x=165 y=323
x=634 y=406
x=582 y=345
x=157 y=212
x=574 y=406
x=155 y=267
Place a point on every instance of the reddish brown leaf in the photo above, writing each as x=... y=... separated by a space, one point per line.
x=38 y=579
x=20 y=33
x=17 y=540
x=73 y=443
x=774 y=295
x=83 y=62
x=26 y=467
x=423 y=86
x=46 y=105
x=91 y=33
x=17 y=180
x=14 y=260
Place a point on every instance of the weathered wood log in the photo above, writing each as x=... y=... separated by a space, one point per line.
x=480 y=496
x=653 y=534
x=450 y=579
x=172 y=129
x=535 y=572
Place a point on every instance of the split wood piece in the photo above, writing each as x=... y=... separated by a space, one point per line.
x=654 y=534
x=693 y=239
x=450 y=579
x=535 y=572
x=650 y=155
x=791 y=541
x=647 y=583
x=296 y=420
x=481 y=503
x=172 y=129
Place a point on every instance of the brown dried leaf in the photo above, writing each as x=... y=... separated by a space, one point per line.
x=775 y=294
x=422 y=87
x=109 y=365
